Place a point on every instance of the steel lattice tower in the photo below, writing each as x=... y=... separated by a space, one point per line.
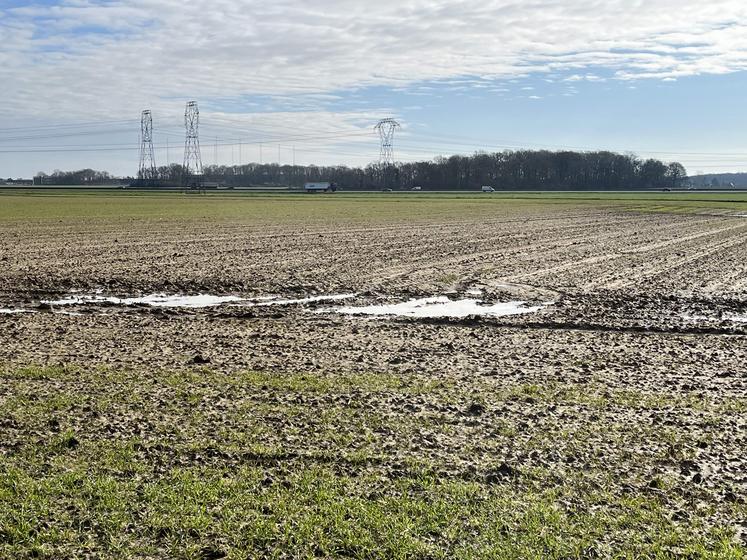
x=192 y=157
x=386 y=128
x=147 y=168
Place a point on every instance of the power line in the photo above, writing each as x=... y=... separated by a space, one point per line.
x=427 y=138
x=70 y=125
x=262 y=128
x=423 y=143
x=238 y=142
x=450 y=140
x=336 y=152
x=304 y=137
x=63 y=135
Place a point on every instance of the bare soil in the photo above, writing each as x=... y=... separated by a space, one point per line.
x=635 y=374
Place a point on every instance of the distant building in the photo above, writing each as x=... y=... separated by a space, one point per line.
x=21 y=182
x=319 y=187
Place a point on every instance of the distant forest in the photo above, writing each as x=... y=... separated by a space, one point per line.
x=509 y=170
x=80 y=177
x=720 y=180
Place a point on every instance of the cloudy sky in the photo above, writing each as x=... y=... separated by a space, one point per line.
x=306 y=81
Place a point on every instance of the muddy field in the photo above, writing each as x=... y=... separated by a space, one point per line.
x=610 y=420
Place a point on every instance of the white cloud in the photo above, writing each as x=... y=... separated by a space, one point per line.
x=158 y=49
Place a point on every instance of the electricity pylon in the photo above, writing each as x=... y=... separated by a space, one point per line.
x=147 y=168
x=386 y=128
x=192 y=157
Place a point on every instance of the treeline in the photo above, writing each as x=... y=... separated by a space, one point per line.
x=80 y=177
x=509 y=170
x=720 y=180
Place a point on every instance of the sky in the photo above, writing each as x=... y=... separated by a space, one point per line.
x=297 y=81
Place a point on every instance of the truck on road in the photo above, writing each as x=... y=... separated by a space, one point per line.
x=319 y=187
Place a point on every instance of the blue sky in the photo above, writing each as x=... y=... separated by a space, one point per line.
x=661 y=78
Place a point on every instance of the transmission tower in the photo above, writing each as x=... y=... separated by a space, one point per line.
x=192 y=157
x=147 y=168
x=386 y=128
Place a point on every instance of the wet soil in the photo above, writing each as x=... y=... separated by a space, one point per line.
x=638 y=359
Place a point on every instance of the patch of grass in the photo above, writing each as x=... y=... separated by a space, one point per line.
x=59 y=372
x=598 y=395
x=326 y=383
x=247 y=512
x=200 y=463
x=248 y=208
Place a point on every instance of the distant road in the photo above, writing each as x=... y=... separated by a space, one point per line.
x=281 y=190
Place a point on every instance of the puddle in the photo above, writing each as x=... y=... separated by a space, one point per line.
x=694 y=318
x=6 y=311
x=154 y=300
x=733 y=317
x=195 y=302
x=337 y=297
x=441 y=306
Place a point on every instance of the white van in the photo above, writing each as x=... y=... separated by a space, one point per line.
x=487 y=188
